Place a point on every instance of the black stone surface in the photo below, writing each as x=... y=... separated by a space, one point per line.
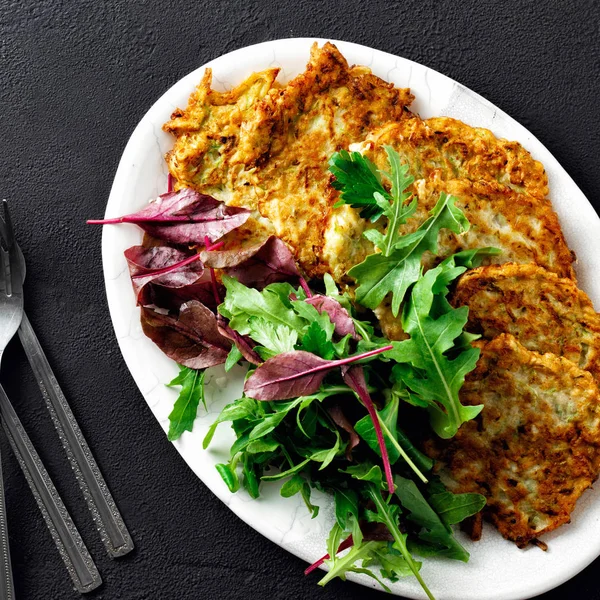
x=75 y=78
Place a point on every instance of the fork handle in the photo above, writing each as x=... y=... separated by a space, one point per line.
x=7 y=590
x=71 y=547
x=106 y=515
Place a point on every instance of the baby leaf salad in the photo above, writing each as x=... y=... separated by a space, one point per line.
x=328 y=402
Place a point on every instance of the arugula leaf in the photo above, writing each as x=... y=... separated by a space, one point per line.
x=451 y=268
x=433 y=529
x=453 y=508
x=291 y=471
x=264 y=444
x=388 y=418
x=297 y=484
x=357 y=178
x=380 y=274
x=388 y=515
x=326 y=455
x=393 y=564
x=431 y=376
x=339 y=566
x=268 y=423
x=397 y=211
x=242 y=302
x=233 y=358
x=240 y=409
x=346 y=504
x=292 y=486
x=229 y=476
x=184 y=411
x=252 y=473
x=365 y=471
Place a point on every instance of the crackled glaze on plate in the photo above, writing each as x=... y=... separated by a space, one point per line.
x=498 y=570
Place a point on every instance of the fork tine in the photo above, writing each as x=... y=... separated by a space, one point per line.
x=4 y=272
x=3 y=233
x=13 y=279
x=7 y=227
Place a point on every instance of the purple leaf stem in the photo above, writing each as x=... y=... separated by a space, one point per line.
x=305 y=287
x=170 y=268
x=355 y=378
x=347 y=543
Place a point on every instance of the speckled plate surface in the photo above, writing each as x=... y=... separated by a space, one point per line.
x=498 y=570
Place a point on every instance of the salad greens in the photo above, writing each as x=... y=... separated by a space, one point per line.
x=192 y=393
x=328 y=404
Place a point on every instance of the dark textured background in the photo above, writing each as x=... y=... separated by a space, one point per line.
x=76 y=77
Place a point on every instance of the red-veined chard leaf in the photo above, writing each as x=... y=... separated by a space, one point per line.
x=192 y=339
x=341 y=420
x=184 y=217
x=339 y=316
x=167 y=277
x=242 y=342
x=294 y=374
x=257 y=266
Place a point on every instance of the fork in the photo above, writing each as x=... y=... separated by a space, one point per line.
x=71 y=547
x=106 y=515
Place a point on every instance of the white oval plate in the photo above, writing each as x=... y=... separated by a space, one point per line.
x=498 y=570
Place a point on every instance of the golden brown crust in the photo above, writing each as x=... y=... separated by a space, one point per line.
x=458 y=151
x=534 y=448
x=524 y=228
x=546 y=313
x=208 y=130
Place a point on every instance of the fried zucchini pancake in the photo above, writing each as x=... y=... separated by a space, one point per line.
x=534 y=448
x=458 y=151
x=524 y=228
x=273 y=153
x=546 y=313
